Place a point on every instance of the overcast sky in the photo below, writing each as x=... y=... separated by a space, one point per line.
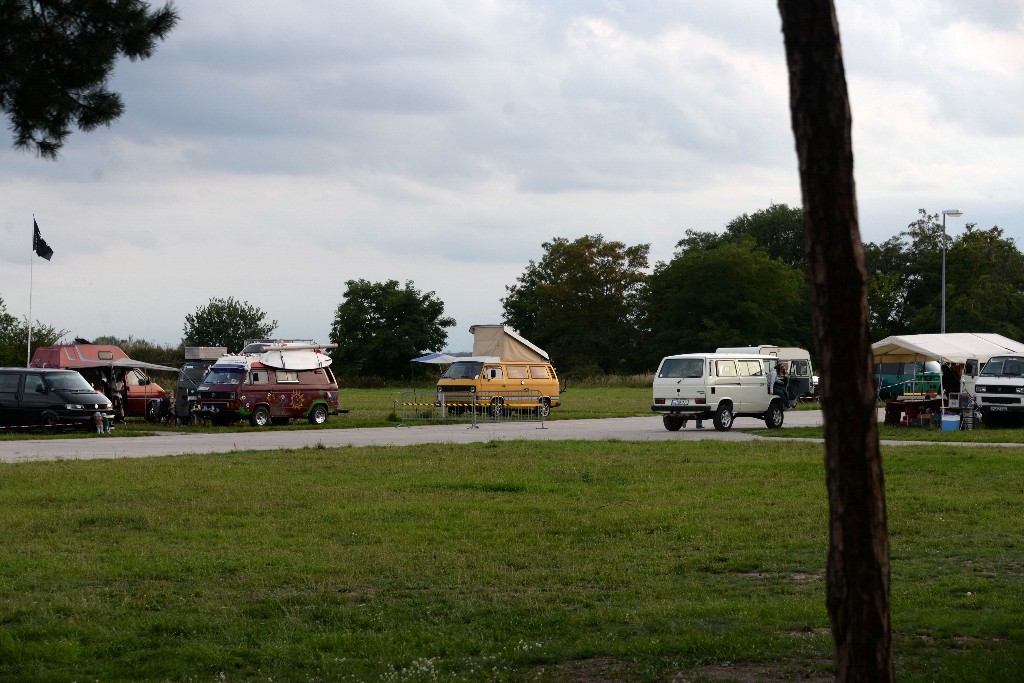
x=271 y=151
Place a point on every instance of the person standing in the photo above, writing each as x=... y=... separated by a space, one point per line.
x=118 y=397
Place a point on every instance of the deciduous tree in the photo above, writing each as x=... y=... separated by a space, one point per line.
x=381 y=326
x=778 y=230
x=725 y=293
x=14 y=337
x=57 y=58
x=584 y=303
x=226 y=322
x=984 y=281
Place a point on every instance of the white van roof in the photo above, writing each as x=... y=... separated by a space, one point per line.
x=781 y=352
x=725 y=355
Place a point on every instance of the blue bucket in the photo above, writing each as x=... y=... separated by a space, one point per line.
x=950 y=423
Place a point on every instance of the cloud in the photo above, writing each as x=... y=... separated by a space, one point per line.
x=272 y=151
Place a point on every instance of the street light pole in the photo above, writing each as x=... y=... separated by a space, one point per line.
x=955 y=213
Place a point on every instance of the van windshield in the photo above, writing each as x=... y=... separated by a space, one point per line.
x=1004 y=366
x=191 y=374
x=463 y=370
x=225 y=376
x=678 y=368
x=67 y=381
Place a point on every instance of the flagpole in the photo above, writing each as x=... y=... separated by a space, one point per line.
x=31 y=253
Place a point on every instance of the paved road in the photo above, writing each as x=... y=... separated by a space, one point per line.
x=181 y=442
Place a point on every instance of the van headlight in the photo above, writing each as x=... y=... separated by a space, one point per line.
x=74 y=406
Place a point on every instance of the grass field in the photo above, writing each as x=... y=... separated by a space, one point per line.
x=500 y=561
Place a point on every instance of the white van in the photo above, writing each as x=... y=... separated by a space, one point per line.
x=998 y=389
x=716 y=386
x=803 y=383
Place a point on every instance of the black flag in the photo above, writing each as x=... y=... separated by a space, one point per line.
x=39 y=245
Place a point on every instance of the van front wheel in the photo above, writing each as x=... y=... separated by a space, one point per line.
x=260 y=417
x=723 y=418
x=50 y=422
x=497 y=407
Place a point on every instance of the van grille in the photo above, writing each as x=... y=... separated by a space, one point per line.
x=996 y=389
x=1000 y=400
x=449 y=388
x=223 y=395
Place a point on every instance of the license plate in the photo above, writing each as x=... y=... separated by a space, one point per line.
x=680 y=402
x=998 y=409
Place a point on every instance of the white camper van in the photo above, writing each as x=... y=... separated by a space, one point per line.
x=803 y=383
x=716 y=386
x=998 y=389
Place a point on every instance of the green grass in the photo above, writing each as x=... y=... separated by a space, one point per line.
x=499 y=561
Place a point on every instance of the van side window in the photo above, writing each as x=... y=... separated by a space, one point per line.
x=725 y=368
x=32 y=383
x=799 y=368
x=259 y=377
x=517 y=371
x=9 y=384
x=749 y=368
x=287 y=376
x=539 y=372
x=492 y=372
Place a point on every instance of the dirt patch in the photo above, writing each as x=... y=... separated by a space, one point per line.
x=749 y=673
x=605 y=670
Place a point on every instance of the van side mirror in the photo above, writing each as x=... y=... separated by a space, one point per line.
x=971 y=367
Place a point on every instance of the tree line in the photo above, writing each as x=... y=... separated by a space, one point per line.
x=598 y=307
x=595 y=307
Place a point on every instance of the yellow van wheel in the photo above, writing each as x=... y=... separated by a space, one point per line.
x=545 y=406
x=497 y=406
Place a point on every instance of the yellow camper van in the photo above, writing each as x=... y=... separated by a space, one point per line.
x=504 y=372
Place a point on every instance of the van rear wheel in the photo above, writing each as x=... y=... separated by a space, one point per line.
x=673 y=423
x=318 y=415
x=545 y=407
x=775 y=415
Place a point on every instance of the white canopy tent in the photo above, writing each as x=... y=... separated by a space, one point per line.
x=948 y=348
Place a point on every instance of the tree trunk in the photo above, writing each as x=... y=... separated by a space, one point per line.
x=858 y=558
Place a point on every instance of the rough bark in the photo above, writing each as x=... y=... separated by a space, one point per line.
x=858 y=557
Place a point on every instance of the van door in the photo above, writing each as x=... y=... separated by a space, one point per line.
x=726 y=385
x=753 y=386
x=800 y=378
x=10 y=395
x=34 y=400
x=493 y=380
